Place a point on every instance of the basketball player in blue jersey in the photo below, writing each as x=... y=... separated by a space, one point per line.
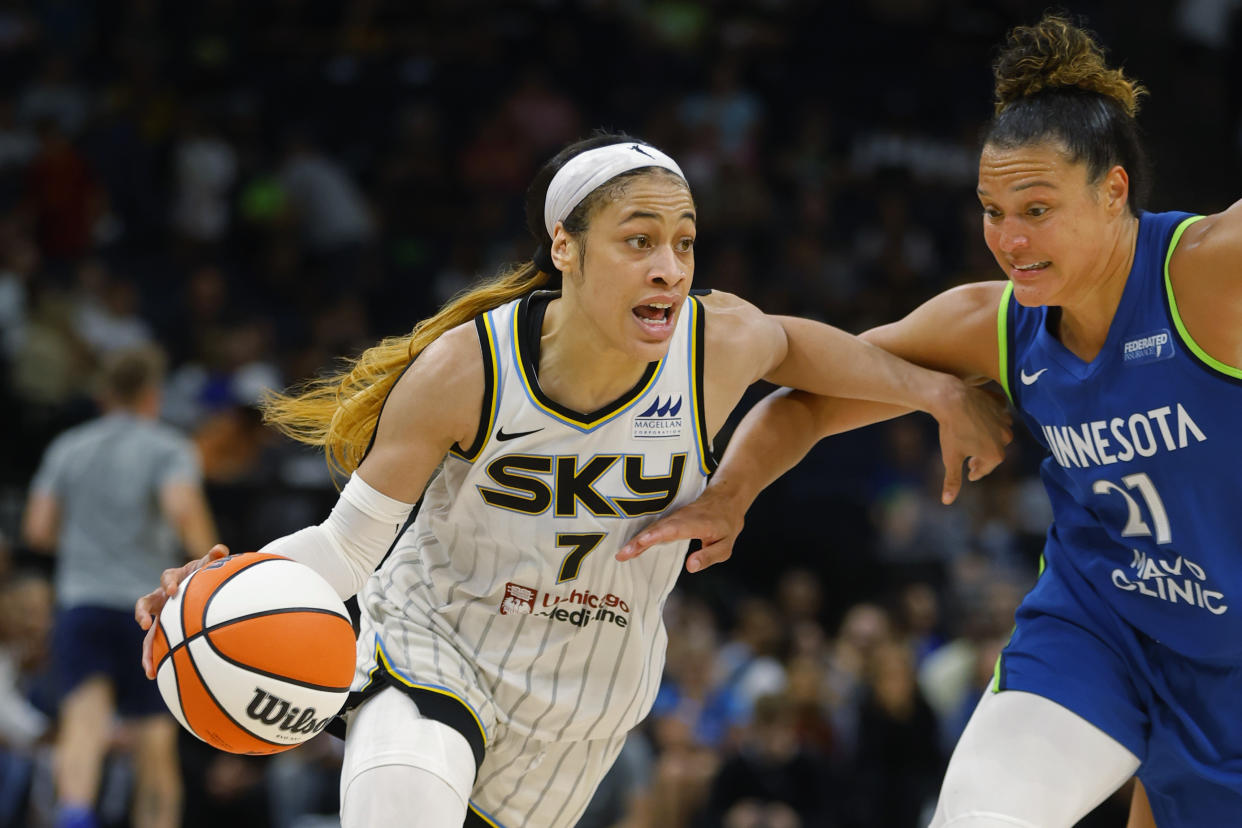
x=1118 y=338
x=504 y=652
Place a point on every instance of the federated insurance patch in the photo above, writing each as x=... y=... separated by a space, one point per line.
x=1149 y=347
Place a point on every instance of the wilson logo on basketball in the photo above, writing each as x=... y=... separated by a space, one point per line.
x=269 y=710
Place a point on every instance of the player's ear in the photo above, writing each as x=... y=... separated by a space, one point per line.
x=564 y=248
x=1116 y=187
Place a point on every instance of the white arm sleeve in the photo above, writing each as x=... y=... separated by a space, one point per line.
x=346 y=547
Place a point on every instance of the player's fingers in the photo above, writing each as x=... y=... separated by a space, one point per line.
x=147 y=641
x=952 y=478
x=172 y=577
x=709 y=556
x=671 y=528
x=148 y=606
x=981 y=467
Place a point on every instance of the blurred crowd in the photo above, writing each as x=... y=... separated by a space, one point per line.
x=262 y=187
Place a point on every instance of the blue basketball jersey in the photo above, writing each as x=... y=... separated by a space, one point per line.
x=1143 y=448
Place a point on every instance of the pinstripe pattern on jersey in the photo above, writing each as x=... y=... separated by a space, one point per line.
x=542 y=784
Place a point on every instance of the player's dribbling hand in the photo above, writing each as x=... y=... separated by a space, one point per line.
x=147 y=608
x=974 y=428
x=712 y=519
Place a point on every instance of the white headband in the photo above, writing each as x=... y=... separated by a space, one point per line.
x=587 y=170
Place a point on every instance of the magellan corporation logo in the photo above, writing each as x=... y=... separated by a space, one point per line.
x=661 y=419
x=579 y=607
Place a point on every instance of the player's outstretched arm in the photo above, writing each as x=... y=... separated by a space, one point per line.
x=954 y=333
x=435 y=404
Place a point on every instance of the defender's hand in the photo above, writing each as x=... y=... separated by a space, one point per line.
x=975 y=426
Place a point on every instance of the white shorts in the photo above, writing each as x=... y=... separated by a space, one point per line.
x=522 y=781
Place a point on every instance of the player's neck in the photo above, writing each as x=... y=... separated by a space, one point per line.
x=577 y=368
x=1086 y=319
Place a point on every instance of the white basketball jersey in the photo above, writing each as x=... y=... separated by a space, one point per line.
x=505 y=591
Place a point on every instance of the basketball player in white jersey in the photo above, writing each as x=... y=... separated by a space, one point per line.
x=504 y=652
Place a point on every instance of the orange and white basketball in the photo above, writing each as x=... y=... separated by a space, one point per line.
x=254 y=654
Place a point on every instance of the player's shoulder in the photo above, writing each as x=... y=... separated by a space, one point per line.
x=975 y=296
x=453 y=360
x=740 y=337
x=966 y=306
x=440 y=392
x=730 y=317
x=720 y=301
x=1211 y=243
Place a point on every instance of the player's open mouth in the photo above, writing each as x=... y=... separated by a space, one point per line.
x=655 y=315
x=1034 y=266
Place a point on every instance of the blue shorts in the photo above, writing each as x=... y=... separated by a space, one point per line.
x=94 y=641
x=1181 y=718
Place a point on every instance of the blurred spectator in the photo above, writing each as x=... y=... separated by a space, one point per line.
x=896 y=774
x=748 y=662
x=55 y=98
x=53 y=363
x=545 y=117
x=63 y=197
x=729 y=110
x=494 y=163
x=25 y=624
x=331 y=213
x=771 y=780
x=21 y=262
x=918 y=619
x=107 y=315
x=953 y=677
x=117 y=500
x=223 y=788
x=302 y=787
x=864 y=628
x=692 y=720
x=205 y=167
x=18 y=145
x=915 y=529
x=232 y=369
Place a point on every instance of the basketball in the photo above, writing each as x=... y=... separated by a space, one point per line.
x=254 y=654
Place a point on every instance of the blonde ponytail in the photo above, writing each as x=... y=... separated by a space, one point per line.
x=339 y=412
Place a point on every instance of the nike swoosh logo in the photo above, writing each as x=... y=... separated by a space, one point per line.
x=1028 y=379
x=500 y=433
